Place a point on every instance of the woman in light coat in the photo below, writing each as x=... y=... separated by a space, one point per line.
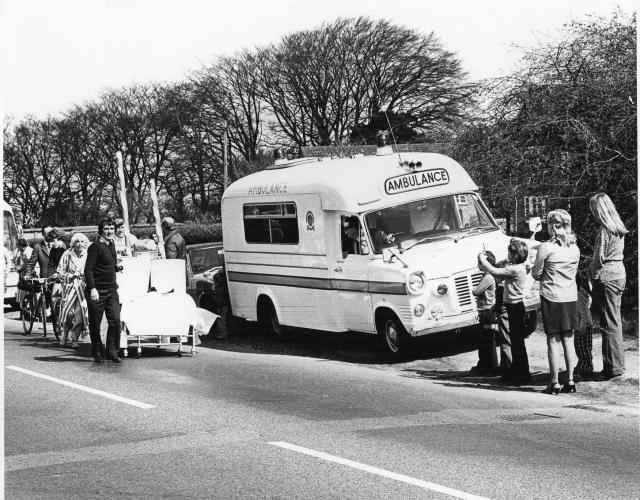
x=556 y=266
x=73 y=315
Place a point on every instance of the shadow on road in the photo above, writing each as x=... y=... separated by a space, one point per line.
x=67 y=353
x=451 y=378
x=351 y=347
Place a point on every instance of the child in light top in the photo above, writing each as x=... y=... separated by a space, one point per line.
x=515 y=280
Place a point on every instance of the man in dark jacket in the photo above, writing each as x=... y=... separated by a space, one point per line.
x=174 y=244
x=46 y=253
x=100 y=276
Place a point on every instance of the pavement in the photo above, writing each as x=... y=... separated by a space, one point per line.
x=620 y=391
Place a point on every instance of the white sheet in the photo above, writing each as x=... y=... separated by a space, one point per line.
x=160 y=314
x=168 y=275
x=205 y=321
x=133 y=281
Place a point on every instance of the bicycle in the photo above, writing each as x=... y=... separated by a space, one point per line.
x=34 y=305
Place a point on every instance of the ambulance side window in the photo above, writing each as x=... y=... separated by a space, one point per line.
x=271 y=223
x=350 y=235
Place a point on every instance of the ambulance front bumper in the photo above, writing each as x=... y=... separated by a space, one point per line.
x=444 y=324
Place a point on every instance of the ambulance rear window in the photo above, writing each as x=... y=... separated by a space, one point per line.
x=271 y=223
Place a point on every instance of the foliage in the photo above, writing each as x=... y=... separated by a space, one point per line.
x=198 y=233
x=565 y=126
x=321 y=84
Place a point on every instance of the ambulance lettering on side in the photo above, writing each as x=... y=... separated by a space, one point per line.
x=371 y=244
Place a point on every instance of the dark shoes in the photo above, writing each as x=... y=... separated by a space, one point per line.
x=511 y=378
x=114 y=357
x=607 y=375
x=584 y=377
x=97 y=357
x=552 y=389
x=556 y=389
x=485 y=370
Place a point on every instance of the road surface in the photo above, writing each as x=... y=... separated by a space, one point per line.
x=253 y=423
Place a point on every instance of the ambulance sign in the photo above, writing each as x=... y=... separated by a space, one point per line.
x=416 y=180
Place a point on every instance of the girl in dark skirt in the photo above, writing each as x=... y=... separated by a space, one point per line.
x=556 y=266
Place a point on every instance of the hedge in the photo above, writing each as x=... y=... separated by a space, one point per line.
x=192 y=233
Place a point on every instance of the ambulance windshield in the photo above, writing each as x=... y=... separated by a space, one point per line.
x=423 y=220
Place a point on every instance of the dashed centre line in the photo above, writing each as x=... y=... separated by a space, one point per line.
x=90 y=390
x=380 y=472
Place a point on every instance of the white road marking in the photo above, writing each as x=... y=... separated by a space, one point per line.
x=380 y=472
x=84 y=388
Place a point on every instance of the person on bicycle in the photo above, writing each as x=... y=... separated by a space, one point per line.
x=20 y=261
x=73 y=312
x=100 y=275
x=46 y=254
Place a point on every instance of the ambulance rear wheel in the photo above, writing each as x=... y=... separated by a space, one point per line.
x=269 y=320
x=394 y=338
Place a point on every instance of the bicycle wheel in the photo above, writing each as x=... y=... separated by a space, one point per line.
x=27 y=313
x=56 y=308
x=42 y=307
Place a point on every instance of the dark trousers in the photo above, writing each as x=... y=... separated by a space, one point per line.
x=109 y=304
x=606 y=302
x=487 y=357
x=583 y=342
x=503 y=340
x=517 y=330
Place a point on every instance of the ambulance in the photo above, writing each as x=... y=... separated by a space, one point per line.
x=11 y=235
x=385 y=244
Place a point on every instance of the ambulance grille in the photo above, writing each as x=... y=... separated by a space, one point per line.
x=463 y=288
x=463 y=291
x=475 y=279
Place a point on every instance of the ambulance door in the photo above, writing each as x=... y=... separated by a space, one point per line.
x=349 y=271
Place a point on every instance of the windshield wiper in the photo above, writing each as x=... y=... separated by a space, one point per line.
x=397 y=257
x=473 y=230
x=426 y=238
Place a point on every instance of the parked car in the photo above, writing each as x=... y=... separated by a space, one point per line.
x=203 y=261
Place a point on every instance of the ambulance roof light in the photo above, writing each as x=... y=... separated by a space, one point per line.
x=411 y=165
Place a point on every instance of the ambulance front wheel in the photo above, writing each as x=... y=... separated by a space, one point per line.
x=394 y=338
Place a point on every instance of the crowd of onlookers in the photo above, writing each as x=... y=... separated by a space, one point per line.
x=50 y=257
x=568 y=294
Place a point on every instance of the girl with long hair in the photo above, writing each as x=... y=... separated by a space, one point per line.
x=608 y=277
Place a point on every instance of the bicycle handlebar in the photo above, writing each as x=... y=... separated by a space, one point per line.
x=55 y=278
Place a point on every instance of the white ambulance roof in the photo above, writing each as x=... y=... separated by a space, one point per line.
x=357 y=184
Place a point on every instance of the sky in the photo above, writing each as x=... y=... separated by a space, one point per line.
x=57 y=53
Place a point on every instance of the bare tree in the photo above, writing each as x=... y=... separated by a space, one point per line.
x=321 y=84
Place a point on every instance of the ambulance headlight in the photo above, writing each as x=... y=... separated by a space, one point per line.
x=442 y=289
x=418 y=310
x=416 y=282
x=437 y=312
